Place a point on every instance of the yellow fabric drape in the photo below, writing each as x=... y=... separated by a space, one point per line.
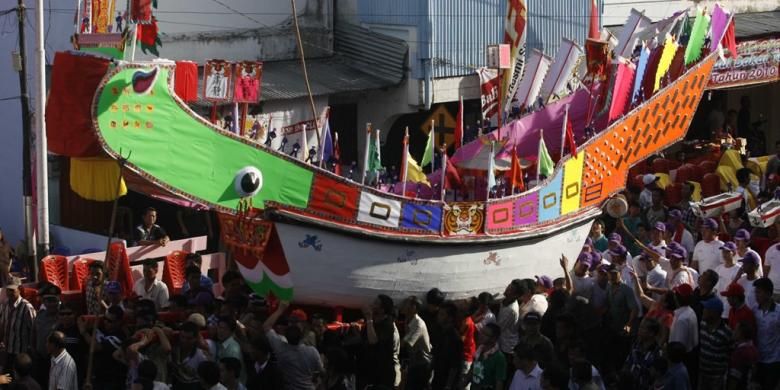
x=663 y=180
x=96 y=179
x=696 y=196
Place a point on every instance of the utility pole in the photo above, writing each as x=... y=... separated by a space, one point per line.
x=41 y=150
x=24 y=98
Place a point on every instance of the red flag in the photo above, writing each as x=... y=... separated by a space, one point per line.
x=570 y=137
x=593 y=31
x=459 y=126
x=452 y=177
x=597 y=57
x=516 y=173
x=730 y=40
x=337 y=154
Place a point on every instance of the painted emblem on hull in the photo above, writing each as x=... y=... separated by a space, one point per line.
x=464 y=218
x=409 y=257
x=311 y=241
x=492 y=258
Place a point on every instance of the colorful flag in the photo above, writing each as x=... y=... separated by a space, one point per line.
x=730 y=40
x=375 y=154
x=336 y=154
x=491 y=171
x=698 y=35
x=427 y=157
x=629 y=34
x=459 y=125
x=561 y=70
x=515 y=176
x=514 y=35
x=667 y=55
x=545 y=165
x=569 y=129
x=327 y=144
x=531 y=83
x=594 y=28
x=413 y=171
x=621 y=93
x=452 y=178
x=489 y=90
x=597 y=54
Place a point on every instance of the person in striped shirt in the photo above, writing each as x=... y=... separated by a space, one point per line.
x=63 y=373
x=16 y=321
x=715 y=344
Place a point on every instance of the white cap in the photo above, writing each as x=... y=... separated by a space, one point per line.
x=649 y=178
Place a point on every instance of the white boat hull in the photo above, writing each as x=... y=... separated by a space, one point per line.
x=350 y=271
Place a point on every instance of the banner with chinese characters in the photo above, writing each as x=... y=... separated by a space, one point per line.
x=217 y=80
x=249 y=76
x=758 y=62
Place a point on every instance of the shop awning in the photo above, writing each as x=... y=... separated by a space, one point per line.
x=758 y=62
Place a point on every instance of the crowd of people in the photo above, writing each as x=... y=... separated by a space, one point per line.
x=657 y=299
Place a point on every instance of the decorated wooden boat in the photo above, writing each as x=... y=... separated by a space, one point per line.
x=304 y=233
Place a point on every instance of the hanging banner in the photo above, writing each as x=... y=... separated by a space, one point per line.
x=217 y=75
x=257 y=127
x=758 y=62
x=514 y=35
x=561 y=70
x=488 y=84
x=535 y=71
x=249 y=76
x=597 y=53
x=140 y=11
x=628 y=36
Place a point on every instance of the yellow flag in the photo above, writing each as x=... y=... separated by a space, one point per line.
x=413 y=171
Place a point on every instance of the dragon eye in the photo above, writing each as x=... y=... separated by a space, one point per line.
x=248 y=182
x=143 y=81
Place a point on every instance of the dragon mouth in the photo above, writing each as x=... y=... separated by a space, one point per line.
x=143 y=81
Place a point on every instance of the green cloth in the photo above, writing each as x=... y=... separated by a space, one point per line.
x=487 y=370
x=428 y=155
x=698 y=35
x=374 y=158
x=546 y=165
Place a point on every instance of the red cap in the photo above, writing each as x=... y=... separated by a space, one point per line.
x=734 y=289
x=684 y=290
x=299 y=315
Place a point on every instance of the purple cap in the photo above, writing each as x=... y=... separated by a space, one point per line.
x=679 y=253
x=673 y=245
x=545 y=281
x=585 y=258
x=742 y=234
x=710 y=223
x=616 y=237
x=675 y=214
x=670 y=227
x=113 y=287
x=588 y=242
x=660 y=226
x=729 y=246
x=619 y=251
x=751 y=258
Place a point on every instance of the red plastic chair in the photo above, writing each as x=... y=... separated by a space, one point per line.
x=674 y=164
x=80 y=273
x=710 y=185
x=661 y=165
x=697 y=173
x=683 y=174
x=673 y=194
x=54 y=269
x=173 y=271
x=708 y=166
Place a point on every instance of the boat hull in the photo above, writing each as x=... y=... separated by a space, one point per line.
x=331 y=268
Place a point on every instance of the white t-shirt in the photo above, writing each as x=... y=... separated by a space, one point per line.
x=537 y=303
x=759 y=270
x=508 y=318
x=707 y=254
x=683 y=275
x=750 y=291
x=583 y=286
x=685 y=328
x=532 y=381
x=657 y=278
x=687 y=241
x=773 y=262
x=725 y=277
x=157 y=293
